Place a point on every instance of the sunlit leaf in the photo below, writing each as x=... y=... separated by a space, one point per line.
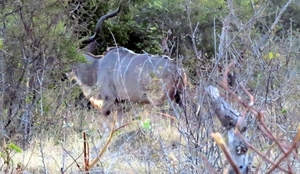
x=271 y=55
x=157 y=4
x=284 y=111
x=1 y=44
x=146 y=124
x=2 y=155
x=14 y=147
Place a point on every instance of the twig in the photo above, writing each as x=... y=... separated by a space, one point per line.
x=219 y=140
x=168 y=116
x=94 y=161
x=262 y=126
x=236 y=21
x=251 y=103
x=74 y=161
x=224 y=83
x=207 y=164
x=258 y=114
x=270 y=34
x=193 y=31
x=270 y=135
x=113 y=130
x=258 y=152
x=294 y=144
x=85 y=152
x=26 y=166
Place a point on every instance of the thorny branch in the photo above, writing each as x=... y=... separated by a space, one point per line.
x=259 y=153
x=293 y=146
x=260 y=115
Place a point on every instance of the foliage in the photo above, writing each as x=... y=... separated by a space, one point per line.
x=6 y=154
x=147 y=23
x=146 y=125
x=36 y=50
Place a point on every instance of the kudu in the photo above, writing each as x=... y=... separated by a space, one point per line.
x=122 y=75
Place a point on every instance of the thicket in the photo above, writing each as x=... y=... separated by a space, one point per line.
x=39 y=41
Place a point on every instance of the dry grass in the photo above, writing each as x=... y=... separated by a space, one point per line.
x=167 y=148
x=132 y=150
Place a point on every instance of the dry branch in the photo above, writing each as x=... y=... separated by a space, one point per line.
x=231 y=119
x=271 y=32
x=226 y=115
x=293 y=146
x=236 y=126
x=221 y=143
x=88 y=165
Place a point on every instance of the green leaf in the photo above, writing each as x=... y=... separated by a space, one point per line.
x=1 y=44
x=146 y=125
x=284 y=111
x=14 y=147
x=60 y=28
x=2 y=155
x=153 y=28
x=271 y=55
x=157 y=4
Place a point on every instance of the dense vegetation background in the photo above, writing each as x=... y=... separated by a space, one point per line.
x=39 y=41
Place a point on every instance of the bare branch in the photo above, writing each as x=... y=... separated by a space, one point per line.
x=226 y=115
x=219 y=140
x=232 y=15
x=232 y=120
x=225 y=27
x=293 y=146
x=270 y=34
x=193 y=31
x=260 y=154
